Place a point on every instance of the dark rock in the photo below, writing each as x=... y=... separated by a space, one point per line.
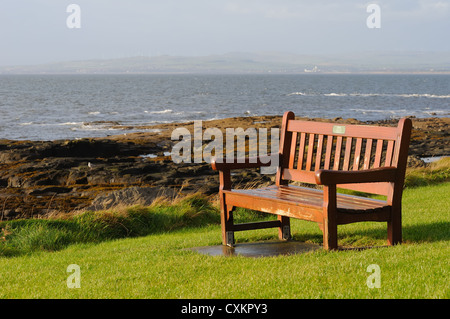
x=9 y=214
x=39 y=176
x=415 y=161
x=50 y=190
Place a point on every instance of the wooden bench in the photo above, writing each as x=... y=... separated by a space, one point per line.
x=368 y=159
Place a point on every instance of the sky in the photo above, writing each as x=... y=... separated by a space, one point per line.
x=37 y=31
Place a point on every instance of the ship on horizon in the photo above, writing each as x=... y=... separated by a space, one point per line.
x=315 y=69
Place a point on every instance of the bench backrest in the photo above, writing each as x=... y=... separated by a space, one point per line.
x=307 y=146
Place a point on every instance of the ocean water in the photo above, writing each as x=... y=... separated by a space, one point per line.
x=50 y=107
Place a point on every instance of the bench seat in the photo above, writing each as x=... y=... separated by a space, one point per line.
x=307 y=203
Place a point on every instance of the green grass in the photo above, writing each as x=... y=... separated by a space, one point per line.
x=436 y=172
x=27 y=236
x=144 y=252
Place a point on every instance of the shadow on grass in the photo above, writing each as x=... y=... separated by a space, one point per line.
x=369 y=238
x=431 y=232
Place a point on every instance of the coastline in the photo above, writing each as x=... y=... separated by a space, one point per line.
x=39 y=178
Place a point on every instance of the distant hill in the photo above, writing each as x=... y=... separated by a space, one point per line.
x=263 y=62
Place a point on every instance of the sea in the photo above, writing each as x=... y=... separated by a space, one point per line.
x=53 y=107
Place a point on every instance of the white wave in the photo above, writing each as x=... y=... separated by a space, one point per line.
x=85 y=127
x=296 y=93
x=434 y=96
x=406 y=95
x=213 y=118
x=436 y=112
x=70 y=123
x=159 y=112
x=50 y=124
x=95 y=128
x=336 y=94
x=366 y=94
x=365 y=111
x=94 y=113
x=156 y=122
x=151 y=130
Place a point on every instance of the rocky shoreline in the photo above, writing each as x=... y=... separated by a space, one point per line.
x=38 y=178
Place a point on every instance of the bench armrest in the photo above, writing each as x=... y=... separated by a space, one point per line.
x=248 y=162
x=374 y=175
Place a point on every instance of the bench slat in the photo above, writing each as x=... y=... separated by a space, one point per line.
x=363 y=131
x=357 y=156
x=309 y=156
x=293 y=150
x=348 y=149
x=274 y=206
x=301 y=151
x=310 y=197
x=368 y=154
x=389 y=153
x=337 y=154
x=328 y=152
x=299 y=175
x=315 y=197
x=378 y=153
x=374 y=188
x=349 y=200
x=319 y=152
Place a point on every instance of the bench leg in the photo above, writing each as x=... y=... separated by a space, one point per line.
x=284 y=232
x=394 y=227
x=226 y=216
x=329 y=230
x=329 y=226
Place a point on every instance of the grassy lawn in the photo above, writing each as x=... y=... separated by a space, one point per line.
x=160 y=264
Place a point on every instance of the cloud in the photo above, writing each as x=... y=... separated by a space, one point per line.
x=288 y=9
x=37 y=30
x=435 y=7
x=418 y=9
